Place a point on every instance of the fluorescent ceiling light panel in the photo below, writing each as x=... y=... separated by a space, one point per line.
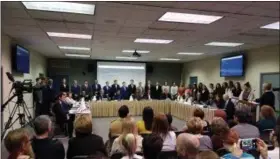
x=139 y=51
x=74 y=48
x=153 y=41
x=168 y=59
x=77 y=55
x=67 y=7
x=190 y=53
x=189 y=18
x=126 y=57
x=69 y=35
x=272 y=26
x=122 y=67
x=226 y=44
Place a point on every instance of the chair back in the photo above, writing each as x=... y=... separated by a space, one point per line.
x=117 y=155
x=168 y=155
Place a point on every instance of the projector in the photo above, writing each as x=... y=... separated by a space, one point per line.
x=136 y=54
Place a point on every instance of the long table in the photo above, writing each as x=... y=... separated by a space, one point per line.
x=179 y=110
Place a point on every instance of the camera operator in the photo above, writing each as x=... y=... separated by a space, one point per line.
x=38 y=96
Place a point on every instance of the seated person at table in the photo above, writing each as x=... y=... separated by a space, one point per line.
x=114 y=88
x=117 y=96
x=60 y=110
x=211 y=100
x=129 y=143
x=85 y=142
x=124 y=91
x=147 y=95
x=145 y=126
x=187 y=146
x=161 y=127
x=42 y=142
x=106 y=90
x=128 y=126
x=229 y=107
x=268 y=119
x=195 y=127
x=138 y=95
x=69 y=100
x=76 y=90
x=116 y=125
x=243 y=128
x=219 y=102
x=170 y=119
x=165 y=95
x=152 y=146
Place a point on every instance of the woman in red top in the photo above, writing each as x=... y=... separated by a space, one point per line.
x=181 y=90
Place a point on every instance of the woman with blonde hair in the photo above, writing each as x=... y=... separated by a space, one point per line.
x=128 y=127
x=129 y=142
x=18 y=144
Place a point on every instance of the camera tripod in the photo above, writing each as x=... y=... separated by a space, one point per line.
x=22 y=111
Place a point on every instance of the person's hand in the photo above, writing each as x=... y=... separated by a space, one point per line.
x=262 y=148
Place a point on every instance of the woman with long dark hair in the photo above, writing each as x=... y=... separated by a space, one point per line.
x=145 y=125
x=218 y=90
x=237 y=90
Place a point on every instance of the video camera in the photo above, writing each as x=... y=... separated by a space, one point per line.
x=21 y=87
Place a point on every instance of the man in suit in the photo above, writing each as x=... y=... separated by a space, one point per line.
x=64 y=87
x=165 y=95
x=157 y=91
x=60 y=110
x=86 y=91
x=38 y=96
x=124 y=91
x=106 y=90
x=48 y=94
x=229 y=107
x=131 y=88
x=76 y=90
x=268 y=97
x=96 y=88
x=114 y=88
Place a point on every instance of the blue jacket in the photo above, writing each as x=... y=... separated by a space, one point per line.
x=106 y=91
x=124 y=92
x=76 y=90
x=96 y=89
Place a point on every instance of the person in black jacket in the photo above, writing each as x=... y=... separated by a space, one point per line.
x=114 y=88
x=268 y=97
x=229 y=107
x=64 y=87
x=156 y=92
x=85 y=143
x=48 y=94
x=204 y=94
x=44 y=147
x=96 y=88
x=86 y=91
x=131 y=88
x=60 y=110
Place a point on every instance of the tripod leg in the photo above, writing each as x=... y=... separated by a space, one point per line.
x=26 y=111
x=9 y=122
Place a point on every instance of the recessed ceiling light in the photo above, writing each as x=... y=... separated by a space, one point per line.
x=190 y=53
x=126 y=57
x=169 y=59
x=153 y=41
x=69 y=35
x=272 y=26
x=189 y=18
x=122 y=67
x=139 y=51
x=68 y=7
x=74 y=48
x=227 y=44
x=77 y=55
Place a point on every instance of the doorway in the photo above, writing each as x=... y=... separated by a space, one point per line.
x=193 y=80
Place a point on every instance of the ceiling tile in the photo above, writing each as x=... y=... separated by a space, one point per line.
x=78 y=18
x=9 y=4
x=13 y=13
x=45 y=15
x=81 y=26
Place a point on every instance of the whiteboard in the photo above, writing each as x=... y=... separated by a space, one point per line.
x=121 y=71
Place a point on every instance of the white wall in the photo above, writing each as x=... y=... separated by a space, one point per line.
x=38 y=64
x=258 y=61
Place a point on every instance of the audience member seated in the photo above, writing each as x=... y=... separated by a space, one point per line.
x=275 y=135
x=85 y=143
x=268 y=97
x=247 y=94
x=170 y=119
x=195 y=126
x=129 y=143
x=207 y=155
x=161 y=127
x=220 y=113
x=198 y=112
x=152 y=146
x=204 y=94
x=128 y=127
x=187 y=146
x=219 y=128
x=18 y=145
x=116 y=125
x=268 y=119
x=60 y=110
x=145 y=126
x=43 y=146
x=211 y=100
x=229 y=107
x=165 y=95
x=219 y=102
x=243 y=128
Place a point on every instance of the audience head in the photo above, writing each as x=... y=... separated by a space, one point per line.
x=219 y=127
x=42 y=125
x=220 y=113
x=152 y=145
x=160 y=125
x=211 y=85
x=242 y=115
x=198 y=112
x=267 y=86
x=195 y=125
x=267 y=112
x=225 y=97
x=231 y=140
x=83 y=125
x=247 y=86
x=17 y=143
x=238 y=86
x=123 y=111
x=129 y=144
x=200 y=85
x=187 y=145
x=107 y=83
x=207 y=155
x=131 y=81
x=230 y=84
x=128 y=126
x=148 y=116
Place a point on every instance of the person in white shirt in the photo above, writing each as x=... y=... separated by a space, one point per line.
x=165 y=87
x=211 y=88
x=129 y=144
x=69 y=100
x=174 y=90
x=161 y=128
x=247 y=93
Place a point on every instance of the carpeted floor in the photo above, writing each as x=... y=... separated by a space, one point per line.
x=101 y=128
